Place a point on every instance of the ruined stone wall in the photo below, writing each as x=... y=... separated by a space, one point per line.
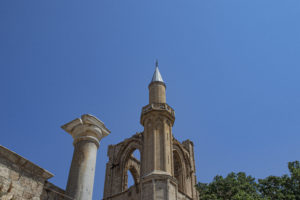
x=52 y=192
x=21 y=179
x=130 y=194
x=182 y=196
x=16 y=184
x=184 y=169
x=121 y=160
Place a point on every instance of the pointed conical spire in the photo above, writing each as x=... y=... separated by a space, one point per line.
x=157 y=75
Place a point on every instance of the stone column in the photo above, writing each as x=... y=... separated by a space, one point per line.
x=87 y=132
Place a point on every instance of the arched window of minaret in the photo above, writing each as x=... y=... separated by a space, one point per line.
x=178 y=170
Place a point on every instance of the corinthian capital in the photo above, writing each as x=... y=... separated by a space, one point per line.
x=87 y=128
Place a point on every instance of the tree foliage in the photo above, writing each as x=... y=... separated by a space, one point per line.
x=239 y=186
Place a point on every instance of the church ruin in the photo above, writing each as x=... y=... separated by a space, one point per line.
x=165 y=170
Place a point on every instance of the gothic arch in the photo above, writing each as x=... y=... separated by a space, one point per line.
x=128 y=162
x=178 y=170
x=177 y=146
x=132 y=166
x=127 y=148
x=181 y=165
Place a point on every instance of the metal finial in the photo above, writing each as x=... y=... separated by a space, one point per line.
x=157 y=76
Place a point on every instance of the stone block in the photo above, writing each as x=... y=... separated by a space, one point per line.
x=4 y=171
x=17 y=189
x=27 y=195
x=13 y=175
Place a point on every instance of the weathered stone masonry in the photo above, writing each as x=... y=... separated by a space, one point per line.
x=121 y=162
x=21 y=179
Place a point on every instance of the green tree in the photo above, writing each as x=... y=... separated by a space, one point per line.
x=284 y=187
x=238 y=186
x=233 y=187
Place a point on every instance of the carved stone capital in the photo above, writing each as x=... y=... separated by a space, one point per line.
x=87 y=128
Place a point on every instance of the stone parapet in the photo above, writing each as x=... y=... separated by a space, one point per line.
x=21 y=163
x=159 y=107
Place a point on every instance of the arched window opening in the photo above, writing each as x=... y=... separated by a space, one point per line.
x=136 y=154
x=131 y=173
x=178 y=171
x=130 y=179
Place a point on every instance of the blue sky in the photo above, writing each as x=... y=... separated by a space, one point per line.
x=231 y=68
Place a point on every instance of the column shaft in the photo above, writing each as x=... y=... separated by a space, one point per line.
x=82 y=171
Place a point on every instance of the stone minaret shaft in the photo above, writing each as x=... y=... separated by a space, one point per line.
x=157 y=120
x=157 y=154
x=87 y=132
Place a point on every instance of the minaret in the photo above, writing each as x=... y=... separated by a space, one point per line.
x=157 y=118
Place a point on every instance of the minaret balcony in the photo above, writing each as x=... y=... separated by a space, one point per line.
x=160 y=107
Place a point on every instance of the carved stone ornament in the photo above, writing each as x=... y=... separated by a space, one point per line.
x=88 y=128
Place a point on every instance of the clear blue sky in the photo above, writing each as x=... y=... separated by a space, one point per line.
x=231 y=67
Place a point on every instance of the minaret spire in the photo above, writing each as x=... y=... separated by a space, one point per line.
x=157 y=76
x=157 y=87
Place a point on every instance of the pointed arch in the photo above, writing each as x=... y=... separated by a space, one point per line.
x=181 y=165
x=178 y=170
x=128 y=162
x=127 y=149
x=132 y=168
x=177 y=146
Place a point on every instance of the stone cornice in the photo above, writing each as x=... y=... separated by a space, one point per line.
x=159 y=107
x=158 y=175
x=22 y=163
